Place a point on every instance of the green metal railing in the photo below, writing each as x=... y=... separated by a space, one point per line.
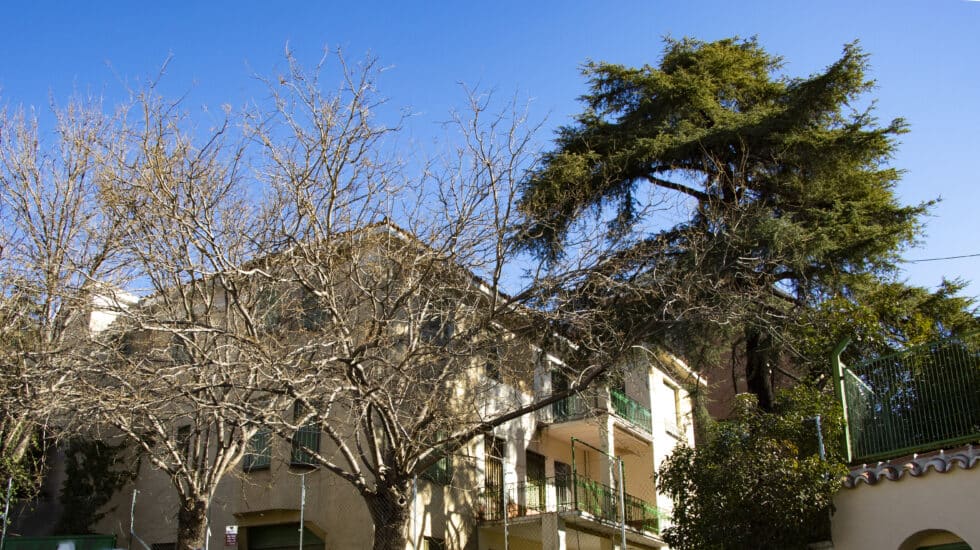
x=573 y=407
x=924 y=398
x=568 y=494
x=627 y=408
x=641 y=515
x=78 y=542
x=602 y=501
x=630 y=410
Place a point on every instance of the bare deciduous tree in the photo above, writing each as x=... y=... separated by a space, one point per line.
x=182 y=373
x=56 y=249
x=298 y=276
x=417 y=349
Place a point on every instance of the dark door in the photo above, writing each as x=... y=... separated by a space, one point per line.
x=563 y=485
x=559 y=409
x=284 y=536
x=535 y=482
x=494 y=479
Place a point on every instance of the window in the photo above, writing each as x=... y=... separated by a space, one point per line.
x=563 y=485
x=306 y=440
x=672 y=409
x=127 y=344
x=267 y=308
x=493 y=483
x=437 y=329
x=438 y=325
x=442 y=471
x=618 y=384
x=184 y=441
x=561 y=410
x=495 y=359
x=258 y=456
x=314 y=317
x=178 y=351
x=434 y=543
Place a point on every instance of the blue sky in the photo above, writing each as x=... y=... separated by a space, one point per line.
x=924 y=56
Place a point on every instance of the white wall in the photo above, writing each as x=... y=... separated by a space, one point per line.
x=884 y=516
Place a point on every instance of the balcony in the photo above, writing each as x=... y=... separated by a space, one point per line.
x=922 y=399
x=582 y=405
x=573 y=494
x=631 y=411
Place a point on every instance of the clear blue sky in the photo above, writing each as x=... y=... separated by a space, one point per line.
x=925 y=55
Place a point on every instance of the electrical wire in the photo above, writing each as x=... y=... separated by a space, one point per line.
x=943 y=258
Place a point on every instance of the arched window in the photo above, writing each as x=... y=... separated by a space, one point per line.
x=934 y=539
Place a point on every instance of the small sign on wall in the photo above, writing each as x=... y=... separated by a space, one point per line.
x=231 y=535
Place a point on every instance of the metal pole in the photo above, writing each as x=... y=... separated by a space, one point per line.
x=823 y=454
x=622 y=482
x=574 y=479
x=622 y=500
x=6 y=512
x=132 y=525
x=503 y=497
x=132 y=520
x=302 y=507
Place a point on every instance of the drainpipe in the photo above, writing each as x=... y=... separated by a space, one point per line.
x=6 y=513
x=837 y=368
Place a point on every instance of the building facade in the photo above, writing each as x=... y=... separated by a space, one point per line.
x=578 y=474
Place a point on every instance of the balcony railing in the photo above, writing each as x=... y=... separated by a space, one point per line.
x=574 y=407
x=578 y=406
x=630 y=410
x=566 y=494
x=922 y=399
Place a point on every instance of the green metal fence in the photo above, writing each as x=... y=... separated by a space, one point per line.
x=74 y=542
x=924 y=398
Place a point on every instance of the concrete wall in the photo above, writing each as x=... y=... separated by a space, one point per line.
x=909 y=512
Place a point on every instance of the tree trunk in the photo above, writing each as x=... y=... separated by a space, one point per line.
x=389 y=509
x=192 y=524
x=757 y=370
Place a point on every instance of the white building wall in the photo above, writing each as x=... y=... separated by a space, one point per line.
x=909 y=512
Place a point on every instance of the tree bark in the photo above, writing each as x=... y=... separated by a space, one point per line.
x=389 y=509
x=192 y=524
x=757 y=370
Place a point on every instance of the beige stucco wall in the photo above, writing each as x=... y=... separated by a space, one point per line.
x=885 y=516
x=333 y=509
x=338 y=514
